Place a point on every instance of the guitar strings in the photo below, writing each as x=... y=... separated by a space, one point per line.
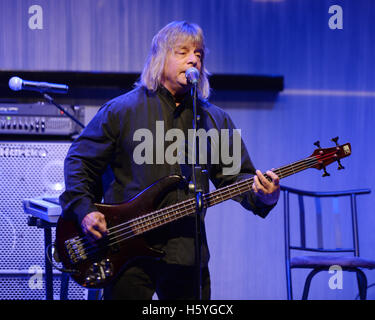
x=135 y=229
x=137 y=225
x=182 y=203
x=239 y=186
x=209 y=195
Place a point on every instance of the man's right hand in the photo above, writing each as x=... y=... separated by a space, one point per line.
x=94 y=226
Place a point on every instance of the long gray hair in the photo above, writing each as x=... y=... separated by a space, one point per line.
x=164 y=41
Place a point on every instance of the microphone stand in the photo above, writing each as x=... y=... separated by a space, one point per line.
x=198 y=191
x=51 y=101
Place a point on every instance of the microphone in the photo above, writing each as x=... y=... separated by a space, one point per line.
x=16 y=84
x=192 y=75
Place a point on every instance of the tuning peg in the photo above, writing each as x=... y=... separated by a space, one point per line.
x=340 y=167
x=335 y=140
x=325 y=173
x=317 y=143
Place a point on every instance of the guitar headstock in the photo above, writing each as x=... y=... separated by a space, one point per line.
x=325 y=156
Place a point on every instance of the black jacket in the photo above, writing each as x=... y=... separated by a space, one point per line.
x=101 y=163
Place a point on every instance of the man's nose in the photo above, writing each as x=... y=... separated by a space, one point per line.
x=193 y=59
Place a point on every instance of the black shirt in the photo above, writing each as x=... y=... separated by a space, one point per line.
x=102 y=164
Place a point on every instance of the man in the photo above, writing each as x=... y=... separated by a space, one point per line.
x=108 y=147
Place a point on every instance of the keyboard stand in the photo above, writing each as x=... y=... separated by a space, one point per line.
x=40 y=223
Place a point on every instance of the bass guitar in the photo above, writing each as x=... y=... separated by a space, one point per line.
x=95 y=265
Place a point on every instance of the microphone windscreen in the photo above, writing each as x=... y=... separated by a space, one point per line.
x=192 y=75
x=15 y=83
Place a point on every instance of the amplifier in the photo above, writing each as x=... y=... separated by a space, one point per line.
x=28 y=170
x=39 y=119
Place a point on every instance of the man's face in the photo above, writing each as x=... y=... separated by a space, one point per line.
x=182 y=57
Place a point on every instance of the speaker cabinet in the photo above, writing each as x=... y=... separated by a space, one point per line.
x=27 y=170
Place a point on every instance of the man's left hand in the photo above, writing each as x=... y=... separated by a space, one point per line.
x=266 y=191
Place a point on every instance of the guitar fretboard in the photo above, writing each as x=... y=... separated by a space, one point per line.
x=174 y=212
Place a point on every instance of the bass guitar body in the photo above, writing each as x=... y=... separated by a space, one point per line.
x=95 y=265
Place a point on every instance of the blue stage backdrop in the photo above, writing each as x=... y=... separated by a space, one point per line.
x=329 y=91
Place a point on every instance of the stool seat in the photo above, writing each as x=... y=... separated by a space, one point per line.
x=330 y=260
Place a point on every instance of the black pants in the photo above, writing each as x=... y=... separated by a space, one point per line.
x=144 y=277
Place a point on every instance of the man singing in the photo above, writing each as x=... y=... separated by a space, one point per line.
x=101 y=164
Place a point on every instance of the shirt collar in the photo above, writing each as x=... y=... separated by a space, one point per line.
x=165 y=93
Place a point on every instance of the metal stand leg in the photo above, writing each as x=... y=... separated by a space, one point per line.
x=362 y=284
x=64 y=286
x=48 y=266
x=308 y=281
